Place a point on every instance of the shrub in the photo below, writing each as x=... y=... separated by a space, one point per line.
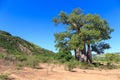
x=4 y=77
x=71 y=65
x=21 y=57
x=1 y=56
x=44 y=58
x=97 y=64
x=86 y=65
x=31 y=62
x=9 y=57
x=110 y=66
x=64 y=57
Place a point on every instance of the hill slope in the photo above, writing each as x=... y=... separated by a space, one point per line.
x=17 y=45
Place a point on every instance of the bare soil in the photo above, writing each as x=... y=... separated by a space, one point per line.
x=58 y=72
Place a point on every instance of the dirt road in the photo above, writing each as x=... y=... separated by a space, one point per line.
x=57 y=72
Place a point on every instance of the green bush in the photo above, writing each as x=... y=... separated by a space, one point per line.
x=111 y=66
x=4 y=77
x=21 y=57
x=19 y=65
x=86 y=65
x=45 y=58
x=9 y=57
x=31 y=61
x=64 y=57
x=97 y=64
x=71 y=65
x=1 y=56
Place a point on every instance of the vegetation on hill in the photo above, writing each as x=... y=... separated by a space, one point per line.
x=22 y=53
x=16 y=45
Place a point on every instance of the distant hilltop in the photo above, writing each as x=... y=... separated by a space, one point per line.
x=118 y=52
x=103 y=55
x=16 y=45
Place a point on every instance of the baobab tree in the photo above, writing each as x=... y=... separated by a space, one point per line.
x=83 y=33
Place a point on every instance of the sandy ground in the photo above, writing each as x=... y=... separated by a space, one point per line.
x=57 y=72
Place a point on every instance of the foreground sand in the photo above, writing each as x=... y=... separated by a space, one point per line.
x=57 y=72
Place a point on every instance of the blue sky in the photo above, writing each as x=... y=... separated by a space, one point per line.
x=32 y=19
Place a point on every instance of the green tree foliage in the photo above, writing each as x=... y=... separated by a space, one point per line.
x=82 y=32
x=64 y=56
x=100 y=47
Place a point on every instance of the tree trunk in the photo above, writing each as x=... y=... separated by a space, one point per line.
x=80 y=56
x=84 y=57
x=89 y=56
x=77 y=54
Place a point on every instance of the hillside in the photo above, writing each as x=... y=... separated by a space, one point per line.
x=16 y=45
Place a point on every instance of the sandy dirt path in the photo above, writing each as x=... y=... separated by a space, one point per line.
x=57 y=72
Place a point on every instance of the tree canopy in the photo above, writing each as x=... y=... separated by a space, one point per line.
x=84 y=33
